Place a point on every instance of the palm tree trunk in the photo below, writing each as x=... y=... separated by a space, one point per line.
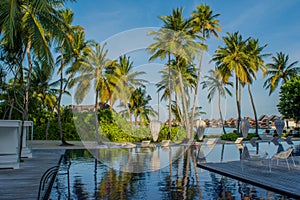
x=63 y=142
x=185 y=108
x=129 y=114
x=220 y=111
x=178 y=109
x=26 y=94
x=11 y=109
x=254 y=110
x=196 y=89
x=186 y=172
x=136 y=120
x=48 y=124
x=170 y=94
x=96 y=118
x=237 y=103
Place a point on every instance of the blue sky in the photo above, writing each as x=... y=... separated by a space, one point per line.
x=273 y=22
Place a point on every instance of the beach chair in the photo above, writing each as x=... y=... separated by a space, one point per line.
x=238 y=142
x=275 y=140
x=266 y=137
x=288 y=140
x=253 y=141
x=211 y=142
x=128 y=145
x=284 y=155
x=165 y=143
x=145 y=143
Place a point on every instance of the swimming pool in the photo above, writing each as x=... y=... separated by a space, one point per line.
x=88 y=178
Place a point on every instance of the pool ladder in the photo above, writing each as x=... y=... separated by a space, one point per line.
x=48 y=178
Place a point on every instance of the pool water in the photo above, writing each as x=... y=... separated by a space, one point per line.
x=88 y=178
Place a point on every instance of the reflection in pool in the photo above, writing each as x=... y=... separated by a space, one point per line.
x=181 y=179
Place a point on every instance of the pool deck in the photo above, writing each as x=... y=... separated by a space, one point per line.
x=279 y=179
x=23 y=183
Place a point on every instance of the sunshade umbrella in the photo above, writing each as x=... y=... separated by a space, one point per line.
x=245 y=125
x=200 y=125
x=279 y=125
x=154 y=129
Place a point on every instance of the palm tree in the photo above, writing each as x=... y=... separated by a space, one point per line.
x=27 y=26
x=125 y=81
x=92 y=72
x=233 y=58
x=257 y=63
x=139 y=106
x=44 y=91
x=174 y=39
x=279 y=71
x=30 y=26
x=73 y=48
x=204 y=23
x=213 y=82
x=170 y=80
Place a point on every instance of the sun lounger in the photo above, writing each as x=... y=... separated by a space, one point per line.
x=165 y=143
x=238 y=142
x=145 y=143
x=253 y=141
x=128 y=145
x=266 y=137
x=288 y=140
x=284 y=155
x=275 y=140
x=210 y=142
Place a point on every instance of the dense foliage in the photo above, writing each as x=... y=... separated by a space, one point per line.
x=289 y=99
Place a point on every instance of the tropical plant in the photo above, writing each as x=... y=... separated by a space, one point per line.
x=289 y=99
x=279 y=71
x=214 y=83
x=44 y=92
x=139 y=106
x=92 y=72
x=174 y=39
x=256 y=63
x=72 y=48
x=125 y=81
x=204 y=24
x=27 y=26
x=233 y=58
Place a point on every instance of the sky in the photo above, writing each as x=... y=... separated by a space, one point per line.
x=124 y=24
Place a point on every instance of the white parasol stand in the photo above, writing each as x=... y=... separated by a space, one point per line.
x=279 y=125
x=244 y=125
x=200 y=125
x=154 y=129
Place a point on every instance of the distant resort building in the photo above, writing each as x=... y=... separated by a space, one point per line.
x=264 y=122
x=88 y=108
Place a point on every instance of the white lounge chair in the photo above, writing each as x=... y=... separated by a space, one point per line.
x=253 y=141
x=145 y=143
x=266 y=137
x=128 y=145
x=238 y=142
x=211 y=142
x=284 y=155
x=165 y=143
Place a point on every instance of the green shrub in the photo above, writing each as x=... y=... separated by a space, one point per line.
x=230 y=136
x=234 y=136
x=68 y=129
x=177 y=133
